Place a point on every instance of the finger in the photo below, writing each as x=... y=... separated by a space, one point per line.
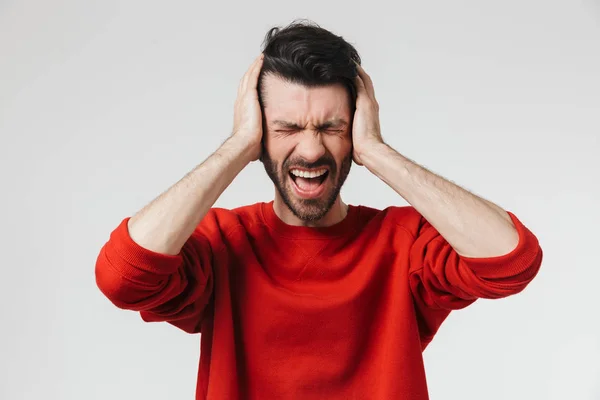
x=251 y=72
x=361 y=90
x=242 y=84
x=253 y=78
x=367 y=81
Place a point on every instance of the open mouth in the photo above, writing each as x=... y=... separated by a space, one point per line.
x=309 y=182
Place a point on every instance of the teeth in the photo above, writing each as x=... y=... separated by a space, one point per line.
x=308 y=174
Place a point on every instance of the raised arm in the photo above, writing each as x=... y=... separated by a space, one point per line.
x=157 y=262
x=465 y=247
x=167 y=222
x=473 y=226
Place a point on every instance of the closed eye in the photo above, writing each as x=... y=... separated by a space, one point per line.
x=329 y=131
x=333 y=131
x=286 y=131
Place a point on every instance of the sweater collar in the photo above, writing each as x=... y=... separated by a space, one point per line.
x=341 y=228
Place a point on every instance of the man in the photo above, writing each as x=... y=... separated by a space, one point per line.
x=306 y=297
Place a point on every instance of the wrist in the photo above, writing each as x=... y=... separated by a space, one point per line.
x=373 y=152
x=243 y=148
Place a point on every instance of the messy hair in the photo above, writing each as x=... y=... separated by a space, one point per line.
x=306 y=54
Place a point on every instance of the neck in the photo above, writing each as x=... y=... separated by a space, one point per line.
x=336 y=214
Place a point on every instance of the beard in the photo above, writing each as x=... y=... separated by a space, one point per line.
x=308 y=210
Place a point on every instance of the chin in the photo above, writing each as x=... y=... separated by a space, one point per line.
x=310 y=209
x=309 y=212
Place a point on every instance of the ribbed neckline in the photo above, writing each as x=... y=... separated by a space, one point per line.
x=342 y=228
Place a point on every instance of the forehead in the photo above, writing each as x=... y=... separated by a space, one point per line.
x=293 y=102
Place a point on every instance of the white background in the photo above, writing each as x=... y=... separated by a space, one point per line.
x=104 y=104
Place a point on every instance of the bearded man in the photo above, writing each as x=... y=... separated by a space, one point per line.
x=305 y=296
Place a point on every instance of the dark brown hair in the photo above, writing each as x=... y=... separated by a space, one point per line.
x=307 y=54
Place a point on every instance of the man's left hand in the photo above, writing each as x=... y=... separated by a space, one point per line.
x=366 y=131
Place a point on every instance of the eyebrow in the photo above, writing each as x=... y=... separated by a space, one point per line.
x=332 y=123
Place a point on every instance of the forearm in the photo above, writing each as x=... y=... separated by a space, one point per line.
x=473 y=226
x=168 y=221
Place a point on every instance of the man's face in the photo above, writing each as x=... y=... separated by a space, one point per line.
x=307 y=144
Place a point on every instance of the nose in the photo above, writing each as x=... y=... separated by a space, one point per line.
x=310 y=147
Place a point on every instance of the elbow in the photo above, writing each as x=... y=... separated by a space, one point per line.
x=535 y=266
x=527 y=275
x=132 y=293
x=123 y=292
x=111 y=284
x=515 y=283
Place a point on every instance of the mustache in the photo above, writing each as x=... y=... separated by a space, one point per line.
x=301 y=163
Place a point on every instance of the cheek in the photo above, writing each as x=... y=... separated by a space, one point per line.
x=339 y=146
x=277 y=149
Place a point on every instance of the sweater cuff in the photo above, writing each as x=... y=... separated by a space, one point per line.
x=526 y=255
x=137 y=258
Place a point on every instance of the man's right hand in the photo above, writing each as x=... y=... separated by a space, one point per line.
x=247 y=120
x=166 y=223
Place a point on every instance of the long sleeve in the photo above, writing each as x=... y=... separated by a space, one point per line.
x=171 y=288
x=441 y=280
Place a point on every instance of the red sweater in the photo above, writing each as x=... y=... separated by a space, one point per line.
x=288 y=312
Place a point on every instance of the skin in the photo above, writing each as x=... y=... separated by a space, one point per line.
x=307 y=128
x=473 y=226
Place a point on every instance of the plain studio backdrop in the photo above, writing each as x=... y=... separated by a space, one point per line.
x=105 y=104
